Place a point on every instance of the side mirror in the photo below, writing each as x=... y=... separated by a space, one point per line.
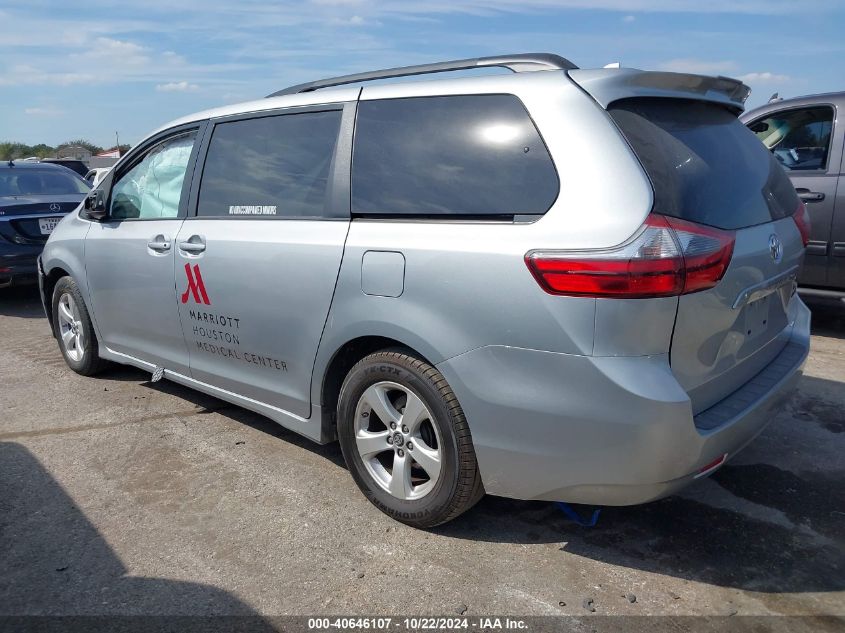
x=95 y=205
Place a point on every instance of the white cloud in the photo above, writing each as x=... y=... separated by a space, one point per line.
x=699 y=66
x=173 y=58
x=629 y=18
x=43 y=111
x=116 y=52
x=763 y=78
x=177 y=86
x=28 y=75
x=763 y=7
x=103 y=60
x=355 y=20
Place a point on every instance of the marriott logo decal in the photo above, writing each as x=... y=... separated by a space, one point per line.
x=196 y=287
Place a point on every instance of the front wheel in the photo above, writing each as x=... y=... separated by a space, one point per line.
x=406 y=441
x=73 y=329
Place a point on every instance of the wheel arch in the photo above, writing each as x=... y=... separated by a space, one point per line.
x=343 y=359
x=50 y=280
x=65 y=258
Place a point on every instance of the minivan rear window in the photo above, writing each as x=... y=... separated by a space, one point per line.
x=457 y=155
x=704 y=164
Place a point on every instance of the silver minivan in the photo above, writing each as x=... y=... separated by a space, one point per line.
x=552 y=283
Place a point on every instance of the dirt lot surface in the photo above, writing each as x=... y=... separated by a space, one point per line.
x=119 y=496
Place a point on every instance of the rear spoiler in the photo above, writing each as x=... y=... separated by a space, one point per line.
x=612 y=84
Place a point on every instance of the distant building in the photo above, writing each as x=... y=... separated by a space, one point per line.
x=74 y=151
x=104 y=159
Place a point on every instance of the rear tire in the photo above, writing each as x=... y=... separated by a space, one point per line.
x=406 y=440
x=73 y=329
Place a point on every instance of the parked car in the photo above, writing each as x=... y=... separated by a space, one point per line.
x=71 y=163
x=553 y=284
x=95 y=176
x=806 y=139
x=34 y=197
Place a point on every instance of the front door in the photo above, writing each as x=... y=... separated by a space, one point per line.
x=256 y=265
x=801 y=139
x=129 y=256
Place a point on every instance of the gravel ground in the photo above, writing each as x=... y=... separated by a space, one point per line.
x=119 y=496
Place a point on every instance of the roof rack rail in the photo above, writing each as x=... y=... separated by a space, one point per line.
x=521 y=62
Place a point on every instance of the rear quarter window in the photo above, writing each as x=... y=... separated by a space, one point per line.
x=473 y=155
x=704 y=164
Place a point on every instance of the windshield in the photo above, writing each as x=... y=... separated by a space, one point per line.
x=27 y=182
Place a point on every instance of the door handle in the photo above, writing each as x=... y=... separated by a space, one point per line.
x=159 y=243
x=194 y=244
x=810 y=196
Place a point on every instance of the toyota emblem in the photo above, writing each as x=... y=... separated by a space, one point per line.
x=775 y=248
x=55 y=207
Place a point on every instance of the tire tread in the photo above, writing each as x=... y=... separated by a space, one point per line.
x=470 y=488
x=92 y=363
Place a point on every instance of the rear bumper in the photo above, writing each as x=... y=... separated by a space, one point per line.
x=605 y=430
x=17 y=262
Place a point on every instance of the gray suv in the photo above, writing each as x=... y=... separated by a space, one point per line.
x=554 y=283
x=806 y=137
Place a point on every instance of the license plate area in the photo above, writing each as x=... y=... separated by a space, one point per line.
x=757 y=316
x=46 y=225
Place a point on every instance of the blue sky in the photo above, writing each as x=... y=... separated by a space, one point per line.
x=84 y=70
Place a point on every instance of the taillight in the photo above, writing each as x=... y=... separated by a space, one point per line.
x=707 y=253
x=802 y=221
x=666 y=257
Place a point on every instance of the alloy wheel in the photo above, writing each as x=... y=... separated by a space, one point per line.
x=397 y=440
x=70 y=327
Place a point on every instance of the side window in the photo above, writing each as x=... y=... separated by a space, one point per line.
x=454 y=155
x=799 y=139
x=275 y=166
x=152 y=189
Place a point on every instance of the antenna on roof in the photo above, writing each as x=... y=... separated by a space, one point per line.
x=613 y=65
x=11 y=162
x=775 y=98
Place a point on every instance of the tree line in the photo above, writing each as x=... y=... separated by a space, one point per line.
x=10 y=150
